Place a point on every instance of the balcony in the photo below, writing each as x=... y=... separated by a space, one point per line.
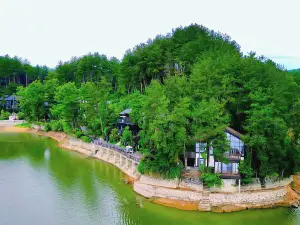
x=234 y=154
x=232 y=157
x=230 y=176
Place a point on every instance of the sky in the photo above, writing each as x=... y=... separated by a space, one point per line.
x=47 y=31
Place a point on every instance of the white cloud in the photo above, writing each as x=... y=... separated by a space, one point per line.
x=45 y=31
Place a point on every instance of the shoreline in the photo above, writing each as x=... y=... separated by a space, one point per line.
x=164 y=193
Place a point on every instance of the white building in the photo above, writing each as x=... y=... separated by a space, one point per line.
x=235 y=154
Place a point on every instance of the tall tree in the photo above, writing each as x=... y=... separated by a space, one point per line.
x=67 y=103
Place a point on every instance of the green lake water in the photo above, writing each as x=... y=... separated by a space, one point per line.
x=43 y=184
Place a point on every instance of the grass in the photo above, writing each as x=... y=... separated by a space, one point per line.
x=24 y=125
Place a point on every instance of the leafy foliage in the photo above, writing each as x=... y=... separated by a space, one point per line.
x=86 y=139
x=126 y=137
x=245 y=172
x=15 y=72
x=4 y=115
x=24 y=125
x=183 y=87
x=114 y=136
x=47 y=127
x=211 y=179
x=56 y=125
x=67 y=103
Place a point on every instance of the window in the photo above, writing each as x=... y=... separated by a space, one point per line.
x=236 y=145
x=200 y=161
x=197 y=147
x=231 y=168
x=200 y=147
x=211 y=152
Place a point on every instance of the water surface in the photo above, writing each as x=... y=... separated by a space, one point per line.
x=43 y=184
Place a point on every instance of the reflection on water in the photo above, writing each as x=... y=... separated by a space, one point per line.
x=42 y=184
x=47 y=154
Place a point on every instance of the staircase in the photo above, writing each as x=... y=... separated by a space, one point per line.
x=204 y=204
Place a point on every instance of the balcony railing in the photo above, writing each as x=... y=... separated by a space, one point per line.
x=232 y=156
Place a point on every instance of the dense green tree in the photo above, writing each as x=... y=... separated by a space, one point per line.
x=209 y=123
x=32 y=101
x=163 y=134
x=15 y=71
x=183 y=87
x=126 y=137
x=67 y=103
x=296 y=75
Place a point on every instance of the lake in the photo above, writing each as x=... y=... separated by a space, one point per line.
x=43 y=184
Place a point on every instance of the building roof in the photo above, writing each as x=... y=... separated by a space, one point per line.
x=125 y=120
x=126 y=111
x=233 y=132
x=9 y=97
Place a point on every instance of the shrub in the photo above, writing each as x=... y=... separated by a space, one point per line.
x=142 y=167
x=246 y=172
x=56 y=125
x=4 y=115
x=67 y=128
x=202 y=168
x=174 y=171
x=7 y=114
x=211 y=179
x=86 y=139
x=24 y=125
x=160 y=168
x=78 y=134
x=21 y=115
x=273 y=177
x=126 y=137
x=114 y=136
x=47 y=127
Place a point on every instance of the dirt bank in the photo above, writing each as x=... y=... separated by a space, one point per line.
x=178 y=204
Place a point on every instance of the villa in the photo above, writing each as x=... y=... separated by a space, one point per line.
x=9 y=102
x=235 y=154
x=125 y=121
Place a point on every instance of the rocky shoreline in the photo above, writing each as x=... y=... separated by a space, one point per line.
x=180 y=194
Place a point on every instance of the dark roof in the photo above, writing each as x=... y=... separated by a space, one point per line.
x=233 y=132
x=126 y=111
x=125 y=121
x=9 y=98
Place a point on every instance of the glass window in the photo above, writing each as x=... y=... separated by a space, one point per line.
x=201 y=161
x=211 y=150
x=197 y=147
x=202 y=147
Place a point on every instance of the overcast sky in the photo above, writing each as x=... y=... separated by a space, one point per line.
x=46 y=31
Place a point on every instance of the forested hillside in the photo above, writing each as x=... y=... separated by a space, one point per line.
x=296 y=74
x=183 y=87
x=16 y=72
